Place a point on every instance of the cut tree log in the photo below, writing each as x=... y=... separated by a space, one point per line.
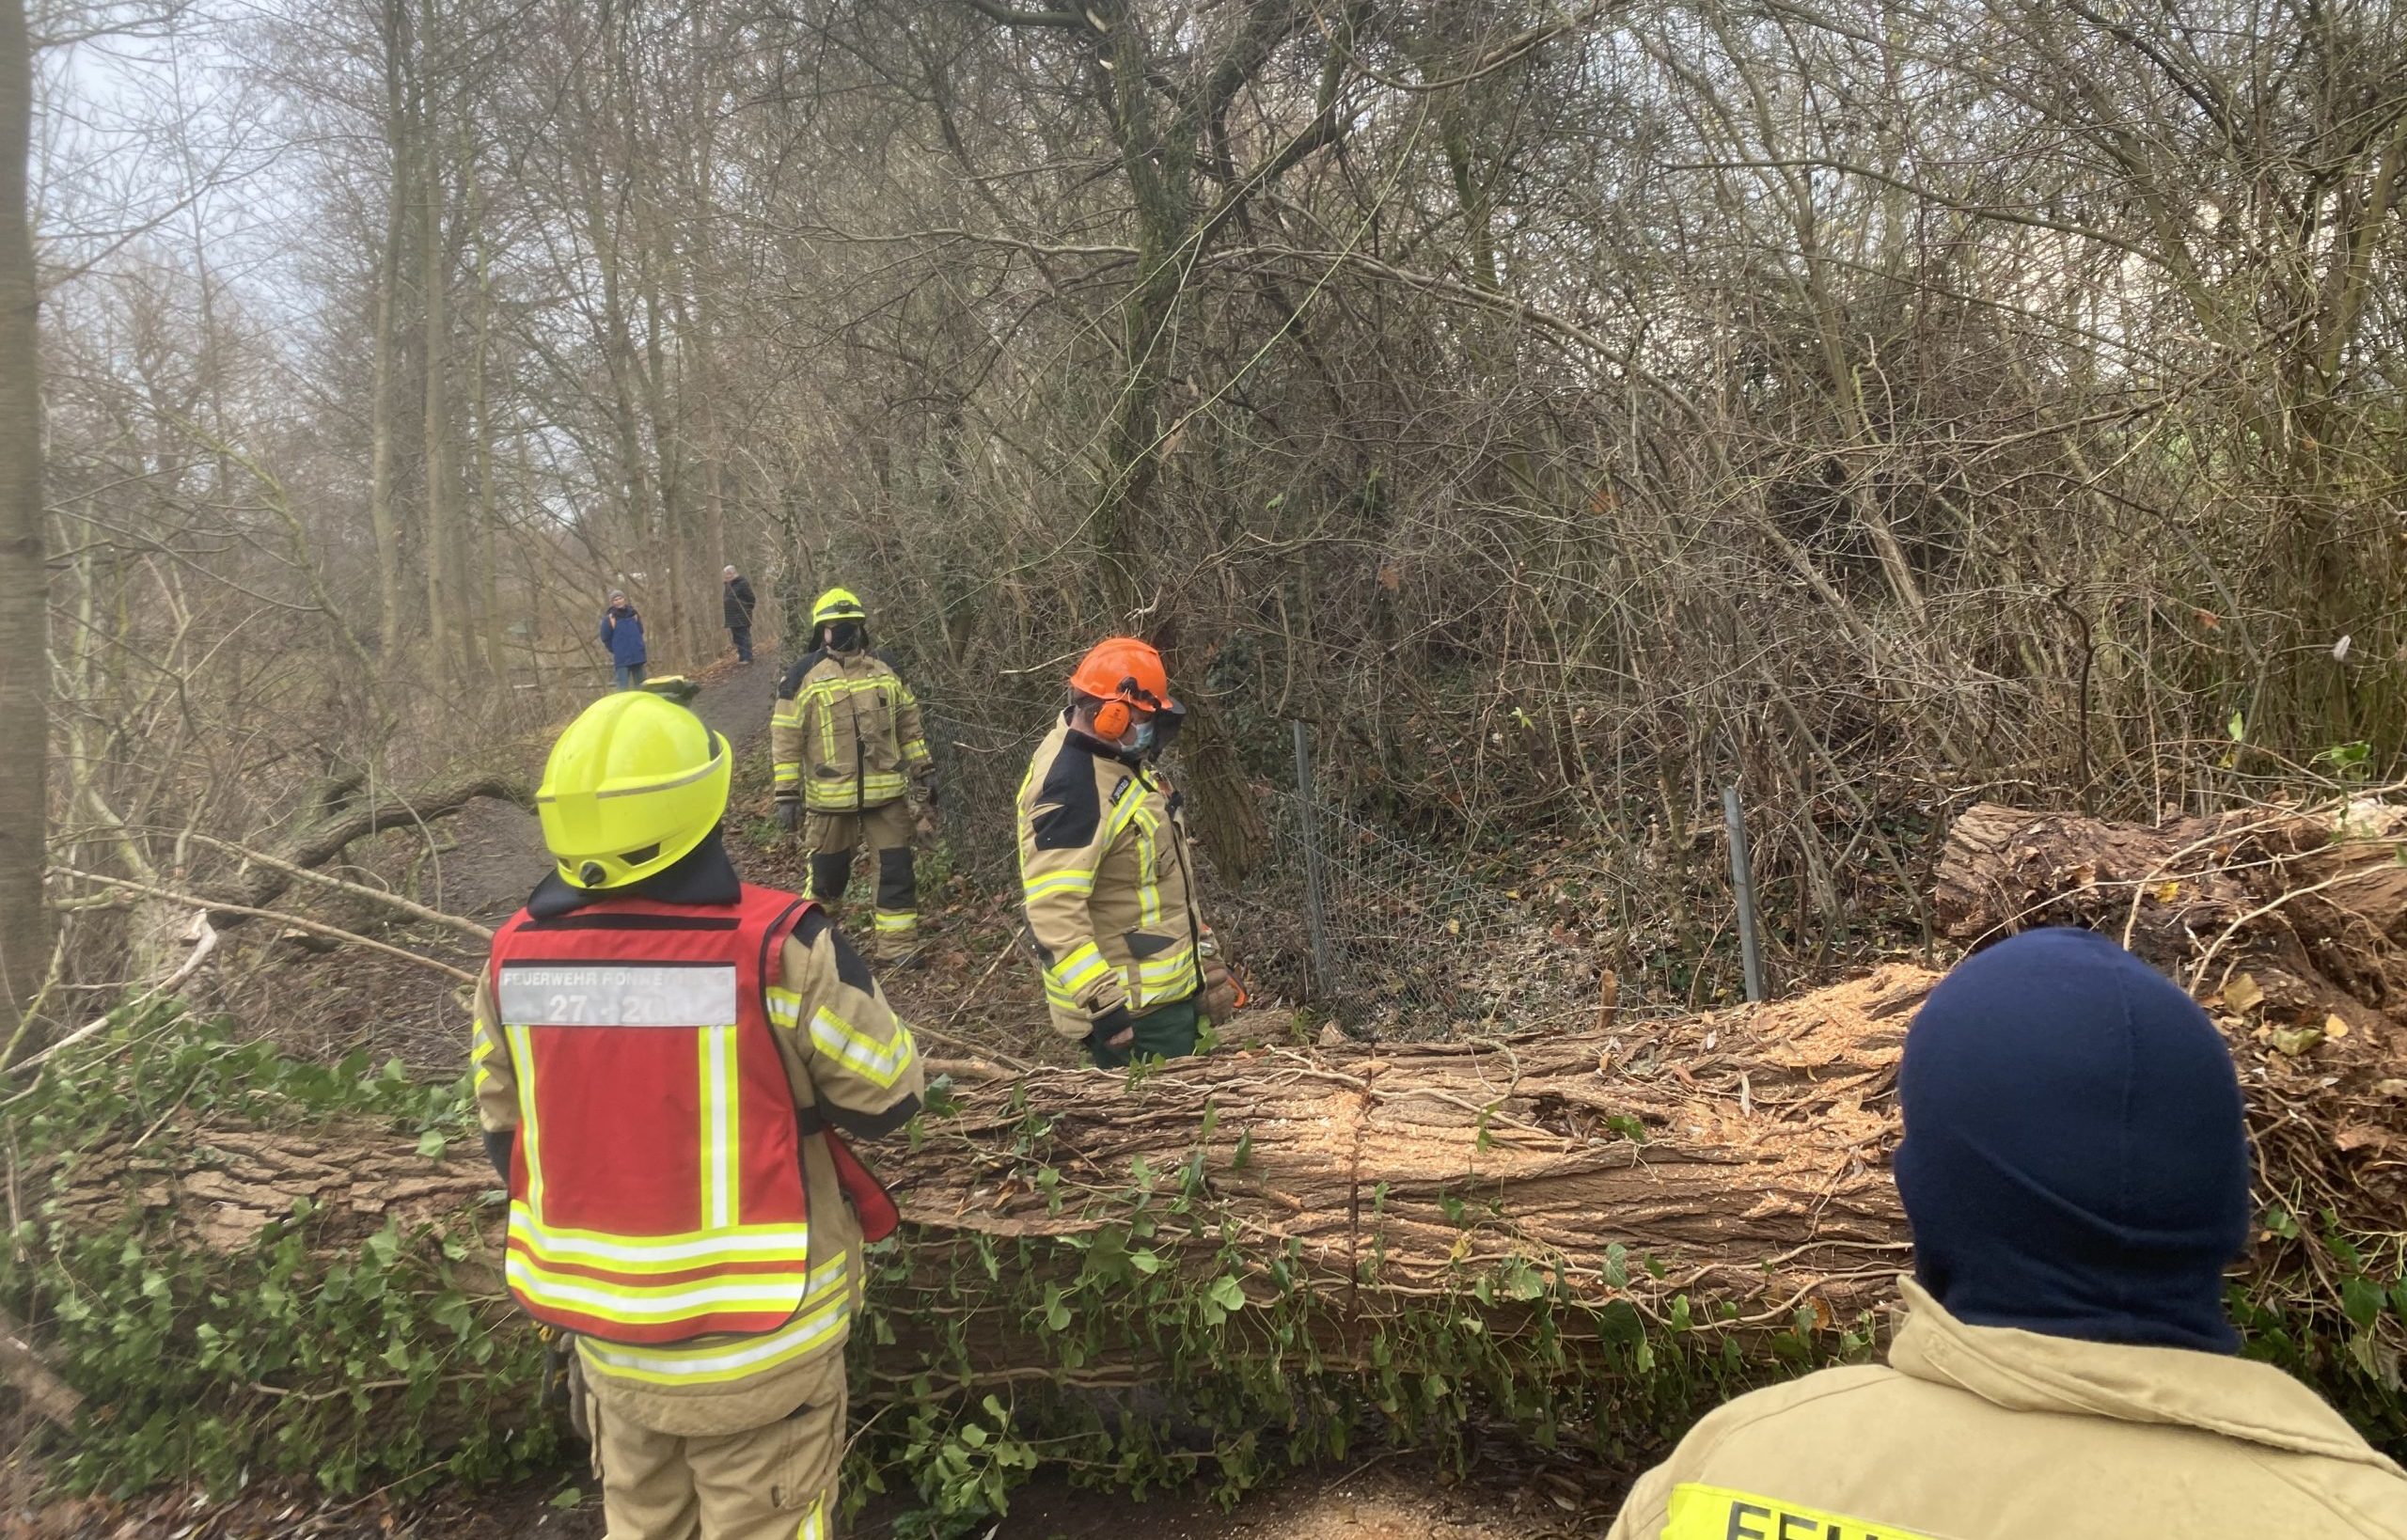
x=2291 y=925
x=1561 y=1202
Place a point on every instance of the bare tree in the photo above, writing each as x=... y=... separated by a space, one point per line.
x=24 y=749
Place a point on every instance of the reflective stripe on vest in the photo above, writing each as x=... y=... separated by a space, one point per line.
x=825 y=1312
x=656 y=1194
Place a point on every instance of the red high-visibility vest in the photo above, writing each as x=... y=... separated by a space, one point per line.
x=657 y=1192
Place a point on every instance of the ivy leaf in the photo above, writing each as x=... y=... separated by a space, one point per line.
x=451 y=1309
x=432 y=1144
x=1227 y=1292
x=569 y=1497
x=2361 y=1301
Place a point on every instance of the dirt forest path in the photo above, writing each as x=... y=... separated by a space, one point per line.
x=496 y=854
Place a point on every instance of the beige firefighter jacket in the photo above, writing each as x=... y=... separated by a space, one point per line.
x=845 y=734
x=853 y=1065
x=1984 y=1433
x=1106 y=882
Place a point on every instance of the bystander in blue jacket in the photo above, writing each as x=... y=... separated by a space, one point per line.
x=622 y=634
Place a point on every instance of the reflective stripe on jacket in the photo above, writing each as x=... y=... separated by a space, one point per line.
x=850 y=1066
x=1106 y=882
x=845 y=733
x=657 y=1190
x=1985 y=1433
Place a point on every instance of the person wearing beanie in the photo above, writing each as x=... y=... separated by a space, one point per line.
x=2075 y=1167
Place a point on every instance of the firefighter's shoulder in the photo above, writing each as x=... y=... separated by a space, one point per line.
x=792 y=683
x=1067 y=807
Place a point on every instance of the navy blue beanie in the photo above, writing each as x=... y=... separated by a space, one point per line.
x=2075 y=1159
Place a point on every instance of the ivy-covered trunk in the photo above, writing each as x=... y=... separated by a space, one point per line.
x=1270 y=1250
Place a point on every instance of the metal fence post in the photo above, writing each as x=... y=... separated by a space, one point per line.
x=1743 y=877
x=1316 y=883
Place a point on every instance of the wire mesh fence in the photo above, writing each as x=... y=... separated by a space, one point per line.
x=1389 y=938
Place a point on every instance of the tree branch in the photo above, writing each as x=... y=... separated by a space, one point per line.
x=319 y=843
x=217 y=908
x=996 y=11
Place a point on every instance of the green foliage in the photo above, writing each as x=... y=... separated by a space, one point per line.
x=386 y=1359
x=2351 y=762
x=2333 y=1316
x=1159 y=1344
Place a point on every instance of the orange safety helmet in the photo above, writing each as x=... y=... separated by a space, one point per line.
x=1127 y=676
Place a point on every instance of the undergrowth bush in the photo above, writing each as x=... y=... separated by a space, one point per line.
x=355 y=1361
x=391 y=1360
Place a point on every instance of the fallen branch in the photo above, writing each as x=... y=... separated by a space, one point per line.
x=204 y=943
x=43 y=1390
x=375 y=895
x=326 y=837
x=216 y=908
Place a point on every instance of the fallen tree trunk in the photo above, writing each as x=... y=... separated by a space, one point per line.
x=1539 y=1223
x=2291 y=926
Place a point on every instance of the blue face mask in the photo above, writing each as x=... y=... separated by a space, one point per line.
x=1140 y=739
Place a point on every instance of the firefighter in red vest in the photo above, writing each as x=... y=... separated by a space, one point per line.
x=667 y=1060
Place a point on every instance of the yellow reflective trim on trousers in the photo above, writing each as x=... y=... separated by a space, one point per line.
x=898 y=919
x=826 y=1308
x=636 y=1303
x=784 y=773
x=881 y=1065
x=1720 y=1513
x=716 y=1051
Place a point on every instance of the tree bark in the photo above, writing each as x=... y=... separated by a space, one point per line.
x=385 y=393
x=25 y=599
x=1726 y=1171
x=445 y=567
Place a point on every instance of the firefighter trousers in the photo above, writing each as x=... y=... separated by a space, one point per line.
x=1168 y=1031
x=833 y=836
x=772 y=1483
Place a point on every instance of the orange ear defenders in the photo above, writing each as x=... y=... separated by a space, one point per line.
x=1126 y=677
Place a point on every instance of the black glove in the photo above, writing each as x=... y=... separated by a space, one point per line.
x=499 y=1148
x=789 y=812
x=1108 y=1025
